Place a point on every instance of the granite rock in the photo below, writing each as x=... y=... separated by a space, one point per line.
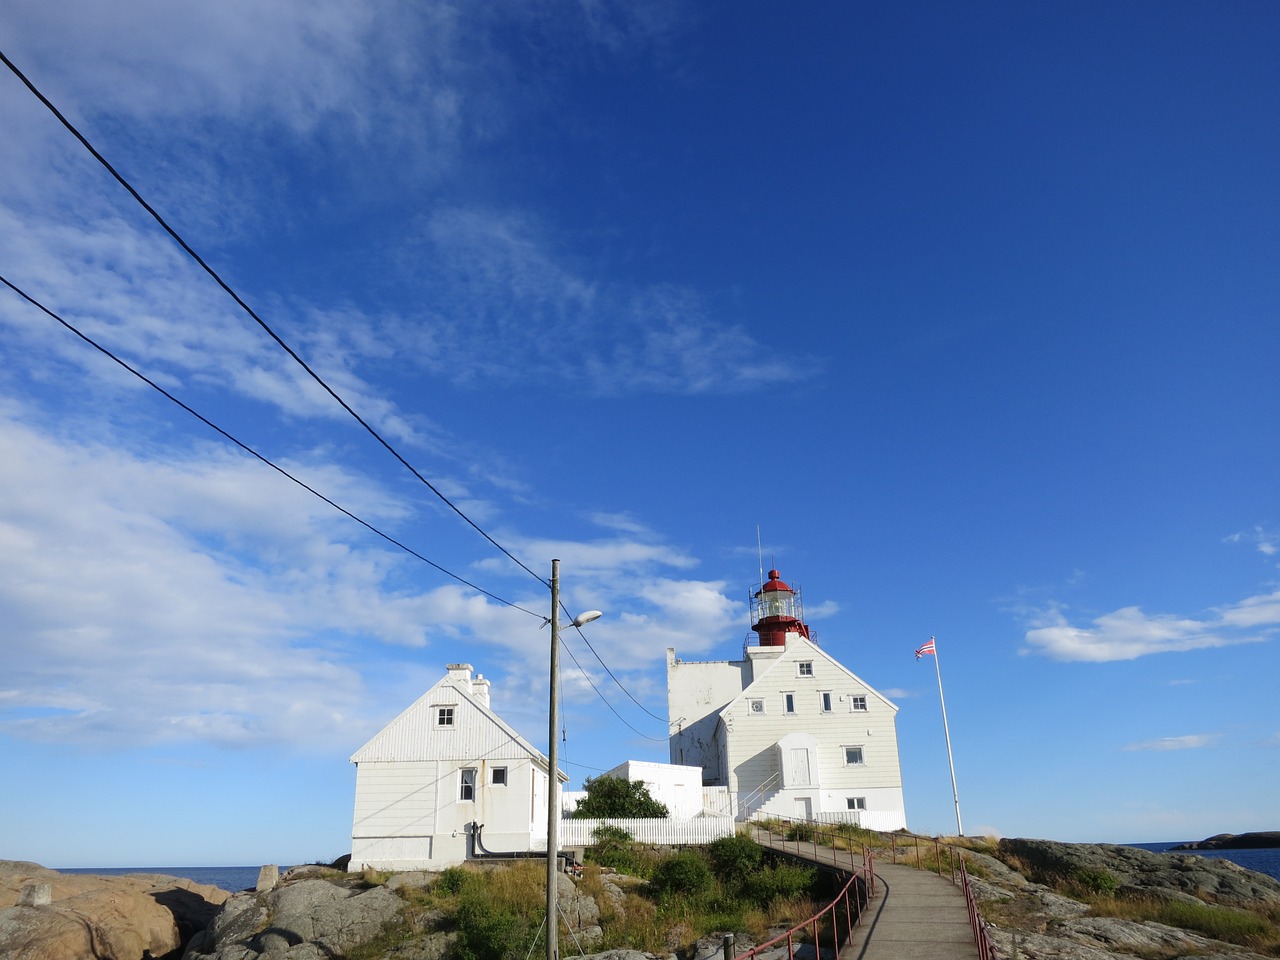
x=91 y=917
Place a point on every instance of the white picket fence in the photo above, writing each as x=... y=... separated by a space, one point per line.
x=664 y=832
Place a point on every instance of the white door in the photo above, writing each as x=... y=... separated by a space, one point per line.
x=804 y=808
x=799 y=767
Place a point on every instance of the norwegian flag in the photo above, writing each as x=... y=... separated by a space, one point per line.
x=927 y=648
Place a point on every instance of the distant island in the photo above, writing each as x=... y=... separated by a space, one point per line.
x=1264 y=839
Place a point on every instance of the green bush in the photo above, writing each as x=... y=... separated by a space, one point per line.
x=804 y=832
x=616 y=797
x=452 y=880
x=613 y=847
x=488 y=931
x=734 y=858
x=1102 y=883
x=683 y=873
x=781 y=882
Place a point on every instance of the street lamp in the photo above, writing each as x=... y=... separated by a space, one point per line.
x=553 y=761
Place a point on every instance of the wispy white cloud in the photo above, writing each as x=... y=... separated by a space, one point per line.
x=1190 y=742
x=1266 y=542
x=1128 y=633
x=198 y=596
x=508 y=302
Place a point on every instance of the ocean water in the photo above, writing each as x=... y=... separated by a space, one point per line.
x=1265 y=860
x=233 y=879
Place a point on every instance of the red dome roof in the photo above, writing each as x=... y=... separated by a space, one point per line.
x=775 y=583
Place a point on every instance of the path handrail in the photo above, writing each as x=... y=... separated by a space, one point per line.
x=861 y=885
x=959 y=875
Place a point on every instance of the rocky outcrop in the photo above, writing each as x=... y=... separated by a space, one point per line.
x=1027 y=919
x=1141 y=872
x=1262 y=840
x=47 y=915
x=303 y=920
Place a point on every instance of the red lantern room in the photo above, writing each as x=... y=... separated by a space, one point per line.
x=776 y=610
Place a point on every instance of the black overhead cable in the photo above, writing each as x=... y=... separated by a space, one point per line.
x=605 y=699
x=610 y=672
x=262 y=323
x=249 y=450
x=316 y=377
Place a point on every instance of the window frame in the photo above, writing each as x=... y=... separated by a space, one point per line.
x=855 y=803
x=445 y=716
x=862 y=755
x=467 y=784
x=498 y=776
x=804 y=668
x=789 y=703
x=755 y=705
x=825 y=704
x=858 y=703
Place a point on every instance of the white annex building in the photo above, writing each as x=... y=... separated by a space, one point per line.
x=446 y=781
x=787 y=731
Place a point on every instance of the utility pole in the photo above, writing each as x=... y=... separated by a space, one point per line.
x=553 y=773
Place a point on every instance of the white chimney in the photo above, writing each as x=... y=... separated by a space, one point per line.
x=480 y=689
x=460 y=673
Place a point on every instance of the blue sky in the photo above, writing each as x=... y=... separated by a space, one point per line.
x=971 y=309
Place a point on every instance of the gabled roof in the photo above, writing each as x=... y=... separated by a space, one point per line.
x=477 y=732
x=797 y=649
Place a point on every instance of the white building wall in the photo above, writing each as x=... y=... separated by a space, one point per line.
x=409 y=807
x=696 y=692
x=755 y=749
x=677 y=786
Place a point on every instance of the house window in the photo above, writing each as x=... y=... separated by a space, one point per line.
x=825 y=697
x=852 y=756
x=804 y=668
x=468 y=790
x=499 y=776
x=857 y=703
x=757 y=706
x=444 y=716
x=855 y=803
x=791 y=702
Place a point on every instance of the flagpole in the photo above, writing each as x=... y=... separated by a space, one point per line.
x=946 y=730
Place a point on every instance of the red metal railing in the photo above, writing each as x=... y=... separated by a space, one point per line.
x=949 y=854
x=851 y=901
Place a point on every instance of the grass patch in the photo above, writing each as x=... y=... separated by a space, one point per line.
x=1241 y=927
x=496 y=914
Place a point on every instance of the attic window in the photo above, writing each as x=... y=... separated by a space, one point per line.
x=857 y=703
x=757 y=706
x=444 y=716
x=804 y=668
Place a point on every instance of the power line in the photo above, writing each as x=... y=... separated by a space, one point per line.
x=319 y=380
x=605 y=700
x=610 y=672
x=250 y=311
x=245 y=447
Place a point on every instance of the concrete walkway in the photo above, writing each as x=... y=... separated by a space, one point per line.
x=914 y=914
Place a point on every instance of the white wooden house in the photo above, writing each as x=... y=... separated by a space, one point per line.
x=445 y=765
x=787 y=730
